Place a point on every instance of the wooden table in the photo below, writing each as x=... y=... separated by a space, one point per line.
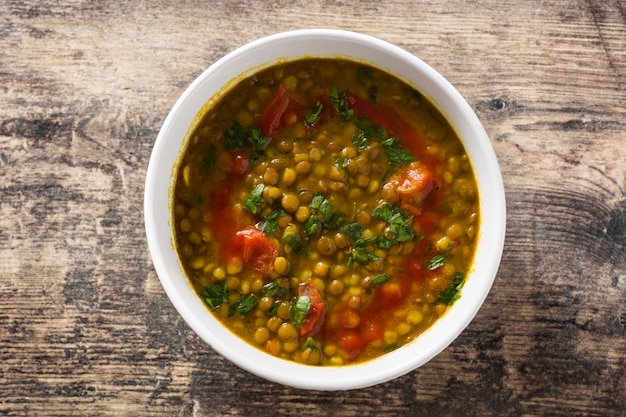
x=85 y=326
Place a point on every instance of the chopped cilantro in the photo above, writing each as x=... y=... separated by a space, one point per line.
x=255 y=199
x=381 y=279
x=312 y=116
x=242 y=306
x=341 y=162
x=399 y=222
x=366 y=132
x=322 y=217
x=370 y=129
x=341 y=106
x=274 y=288
x=214 y=295
x=293 y=240
x=451 y=293
x=360 y=253
x=321 y=205
x=437 y=261
x=352 y=230
x=238 y=137
x=299 y=309
x=310 y=343
x=395 y=153
x=269 y=225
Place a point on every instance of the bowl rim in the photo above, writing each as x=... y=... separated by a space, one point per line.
x=398 y=62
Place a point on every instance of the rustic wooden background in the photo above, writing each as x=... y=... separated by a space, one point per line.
x=85 y=327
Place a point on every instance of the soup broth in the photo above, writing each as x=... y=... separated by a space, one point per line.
x=325 y=211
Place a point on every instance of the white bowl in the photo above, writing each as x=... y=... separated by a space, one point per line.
x=323 y=43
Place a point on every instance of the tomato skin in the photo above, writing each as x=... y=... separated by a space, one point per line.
x=255 y=249
x=272 y=117
x=314 y=320
x=351 y=342
x=238 y=163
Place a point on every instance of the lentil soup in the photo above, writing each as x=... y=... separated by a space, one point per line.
x=325 y=211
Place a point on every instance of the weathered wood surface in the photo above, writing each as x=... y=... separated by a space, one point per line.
x=85 y=327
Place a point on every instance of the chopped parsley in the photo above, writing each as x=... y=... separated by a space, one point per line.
x=437 y=261
x=367 y=132
x=312 y=116
x=299 y=309
x=395 y=152
x=255 y=198
x=381 y=279
x=341 y=106
x=341 y=162
x=360 y=252
x=242 y=306
x=274 y=288
x=399 y=222
x=293 y=240
x=352 y=230
x=451 y=293
x=322 y=216
x=269 y=225
x=238 y=137
x=214 y=295
x=310 y=343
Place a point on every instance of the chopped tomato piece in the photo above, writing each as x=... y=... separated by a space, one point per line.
x=274 y=113
x=238 y=163
x=413 y=183
x=256 y=250
x=313 y=321
x=351 y=342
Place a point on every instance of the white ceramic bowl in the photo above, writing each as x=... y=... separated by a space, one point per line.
x=323 y=43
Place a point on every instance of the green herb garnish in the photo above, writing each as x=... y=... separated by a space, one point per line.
x=293 y=240
x=242 y=306
x=366 y=133
x=340 y=104
x=342 y=162
x=437 y=261
x=312 y=116
x=395 y=152
x=238 y=137
x=369 y=129
x=352 y=230
x=360 y=253
x=381 y=279
x=269 y=225
x=399 y=222
x=310 y=343
x=322 y=216
x=255 y=198
x=451 y=293
x=299 y=310
x=214 y=295
x=274 y=288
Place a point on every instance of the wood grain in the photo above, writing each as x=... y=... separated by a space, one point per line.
x=85 y=326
